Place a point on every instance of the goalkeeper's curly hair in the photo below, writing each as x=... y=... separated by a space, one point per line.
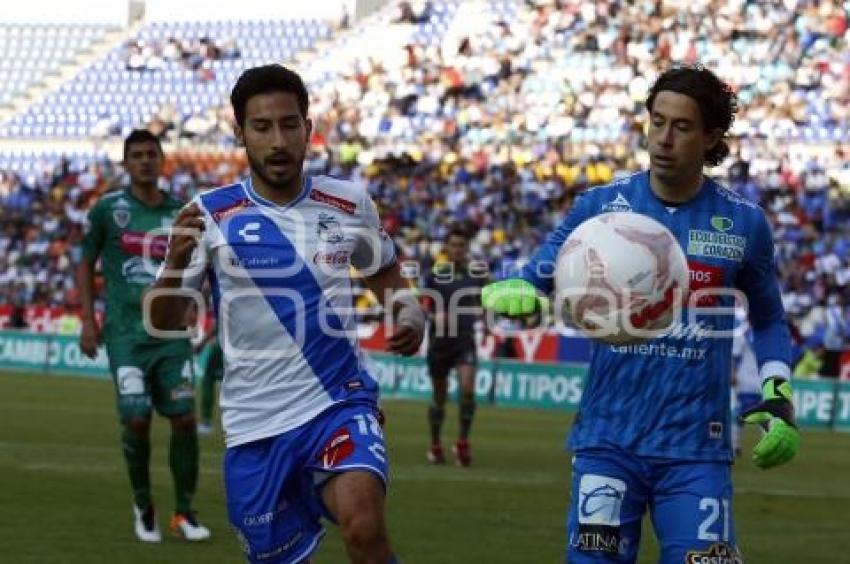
x=716 y=100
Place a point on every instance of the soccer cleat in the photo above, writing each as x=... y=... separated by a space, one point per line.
x=435 y=455
x=185 y=526
x=205 y=428
x=463 y=453
x=147 y=529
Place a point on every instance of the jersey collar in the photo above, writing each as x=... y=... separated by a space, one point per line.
x=306 y=186
x=704 y=190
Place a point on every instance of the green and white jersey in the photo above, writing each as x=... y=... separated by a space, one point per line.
x=116 y=230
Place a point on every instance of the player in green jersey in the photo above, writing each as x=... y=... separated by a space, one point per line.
x=127 y=230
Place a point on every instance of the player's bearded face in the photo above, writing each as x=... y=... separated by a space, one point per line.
x=677 y=138
x=275 y=135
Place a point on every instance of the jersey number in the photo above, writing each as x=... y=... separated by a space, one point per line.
x=368 y=424
x=712 y=505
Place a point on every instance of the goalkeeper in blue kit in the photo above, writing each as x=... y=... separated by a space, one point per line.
x=653 y=428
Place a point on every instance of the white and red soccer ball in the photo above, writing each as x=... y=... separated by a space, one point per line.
x=621 y=278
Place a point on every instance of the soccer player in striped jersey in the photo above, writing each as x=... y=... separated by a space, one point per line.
x=299 y=408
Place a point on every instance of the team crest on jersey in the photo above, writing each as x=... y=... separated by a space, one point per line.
x=718 y=553
x=121 y=217
x=329 y=229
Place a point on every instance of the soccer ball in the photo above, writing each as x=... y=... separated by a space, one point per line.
x=621 y=278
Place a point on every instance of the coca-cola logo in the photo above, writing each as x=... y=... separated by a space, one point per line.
x=336 y=259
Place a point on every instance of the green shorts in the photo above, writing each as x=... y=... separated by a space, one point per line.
x=215 y=362
x=152 y=375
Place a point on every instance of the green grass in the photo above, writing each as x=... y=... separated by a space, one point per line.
x=64 y=495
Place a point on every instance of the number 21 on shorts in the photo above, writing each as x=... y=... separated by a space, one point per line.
x=713 y=511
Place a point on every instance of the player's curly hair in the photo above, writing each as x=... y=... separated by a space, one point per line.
x=716 y=100
x=264 y=80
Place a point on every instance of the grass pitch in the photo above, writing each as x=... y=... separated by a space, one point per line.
x=64 y=494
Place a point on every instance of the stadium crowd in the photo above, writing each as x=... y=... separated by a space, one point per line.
x=501 y=127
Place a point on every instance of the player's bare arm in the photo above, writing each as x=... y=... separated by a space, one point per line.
x=168 y=311
x=409 y=327
x=90 y=335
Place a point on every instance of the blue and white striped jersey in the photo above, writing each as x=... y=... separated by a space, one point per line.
x=281 y=284
x=669 y=396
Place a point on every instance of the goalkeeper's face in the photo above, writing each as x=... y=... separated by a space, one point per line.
x=677 y=139
x=275 y=136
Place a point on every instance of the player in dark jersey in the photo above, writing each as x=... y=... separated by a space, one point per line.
x=653 y=430
x=127 y=230
x=453 y=293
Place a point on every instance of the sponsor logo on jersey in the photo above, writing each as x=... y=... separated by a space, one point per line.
x=249 y=263
x=339 y=447
x=264 y=518
x=620 y=203
x=705 y=276
x=702 y=243
x=334 y=259
x=131 y=380
x=721 y=223
x=600 y=500
x=133 y=243
x=331 y=200
x=718 y=553
x=121 y=217
x=232 y=209
x=285 y=547
x=598 y=538
x=249 y=232
x=136 y=271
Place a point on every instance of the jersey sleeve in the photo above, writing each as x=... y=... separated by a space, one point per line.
x=94 y=232
x=540 y=270
x=757 y=280
x=373 y=247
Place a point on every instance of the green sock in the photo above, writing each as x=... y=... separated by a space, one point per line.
x=137 y=454
x=207 y=396
x=183 y=459
x=467 y=412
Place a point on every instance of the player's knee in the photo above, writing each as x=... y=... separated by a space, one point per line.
x=363 y=531
x=138 y=426
x=184 y=423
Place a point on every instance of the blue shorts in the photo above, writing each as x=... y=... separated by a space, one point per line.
x=273 y=485
x=690 y=504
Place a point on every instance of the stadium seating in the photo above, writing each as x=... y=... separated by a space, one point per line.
x=31 y=52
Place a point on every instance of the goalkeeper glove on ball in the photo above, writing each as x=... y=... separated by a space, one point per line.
x=775 y=414
x=512 y=297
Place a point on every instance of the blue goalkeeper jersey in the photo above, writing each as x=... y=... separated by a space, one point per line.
x=669 y=397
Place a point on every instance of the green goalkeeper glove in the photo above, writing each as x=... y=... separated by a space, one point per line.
x=775 y=414
x=512 y=297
